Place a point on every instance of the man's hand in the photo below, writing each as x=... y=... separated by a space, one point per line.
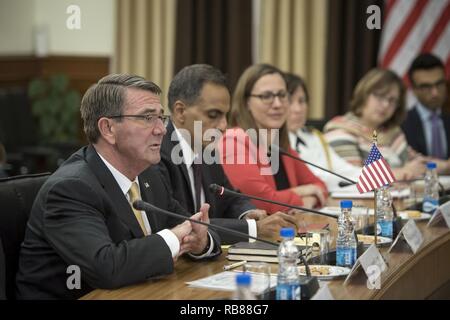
x=269 y=227
x=181 y=231
x=196 y=241
x=256 y=214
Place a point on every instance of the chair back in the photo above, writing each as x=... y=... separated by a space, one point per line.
x=17 y=196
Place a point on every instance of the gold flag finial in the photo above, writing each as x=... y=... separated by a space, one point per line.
x=375 y=136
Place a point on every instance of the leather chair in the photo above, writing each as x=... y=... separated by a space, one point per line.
x=17 y=195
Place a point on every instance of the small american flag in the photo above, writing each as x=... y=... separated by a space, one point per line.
x=375 y=173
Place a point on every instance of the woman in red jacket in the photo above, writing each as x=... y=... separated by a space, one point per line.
x=258 y=119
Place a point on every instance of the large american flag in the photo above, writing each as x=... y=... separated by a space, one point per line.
x=375 y=173
x=411 y=27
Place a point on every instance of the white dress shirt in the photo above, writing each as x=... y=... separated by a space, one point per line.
x=188 y=158
x=125 y=184
x=315 y=153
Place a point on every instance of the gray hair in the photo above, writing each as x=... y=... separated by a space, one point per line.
x=106 y=98
x=188 y=83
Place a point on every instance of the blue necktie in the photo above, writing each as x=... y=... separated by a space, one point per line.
x=436 y=141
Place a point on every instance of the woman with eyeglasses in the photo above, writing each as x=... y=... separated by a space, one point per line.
x=309 y=142
x=378 y=103
x=258 y=120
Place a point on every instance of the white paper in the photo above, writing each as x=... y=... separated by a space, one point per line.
x=412 y=235
x=353 y=193
x=372 y=257
x=442 y=212
x=226 y=281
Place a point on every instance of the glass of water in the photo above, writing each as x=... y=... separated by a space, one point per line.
x=360 y=215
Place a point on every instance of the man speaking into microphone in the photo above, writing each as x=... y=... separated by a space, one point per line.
x=82 y=218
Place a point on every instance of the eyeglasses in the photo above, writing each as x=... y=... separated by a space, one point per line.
x=427 y=87
x=269 y=97
x=149 y=119
x=393 y=102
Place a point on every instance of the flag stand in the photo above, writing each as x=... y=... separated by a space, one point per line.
x=375 y=193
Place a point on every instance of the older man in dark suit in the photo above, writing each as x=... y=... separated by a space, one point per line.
x=199 y=100
x=82 y=218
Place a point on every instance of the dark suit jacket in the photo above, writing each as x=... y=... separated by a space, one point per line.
x=415 y=134
x=81 y=217
x=224 y=211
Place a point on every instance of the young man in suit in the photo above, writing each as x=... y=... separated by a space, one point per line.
x=199 y=97
x=83 y=219
x=427 y=127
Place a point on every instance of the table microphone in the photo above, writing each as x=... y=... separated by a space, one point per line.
x=309 y=284
x=145 y=206
x=287 y=154
x=220 y=190
x=349 y=182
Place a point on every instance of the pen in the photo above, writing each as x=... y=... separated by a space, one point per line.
x=234 y=265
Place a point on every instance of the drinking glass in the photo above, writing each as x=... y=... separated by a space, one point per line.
x=262 y=280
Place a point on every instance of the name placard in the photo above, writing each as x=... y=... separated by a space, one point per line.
x=442 y=212
x=373 y=265
x=412 y=235
x=323 y=293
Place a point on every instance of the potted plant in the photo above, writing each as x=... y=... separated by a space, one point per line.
x=56 y=108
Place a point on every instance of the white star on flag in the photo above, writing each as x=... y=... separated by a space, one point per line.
x=375 y=173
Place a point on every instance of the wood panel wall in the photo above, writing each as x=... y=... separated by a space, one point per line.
x=17 y=71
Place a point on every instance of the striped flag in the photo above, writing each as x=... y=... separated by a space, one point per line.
x=412 y=27
x=375 y=173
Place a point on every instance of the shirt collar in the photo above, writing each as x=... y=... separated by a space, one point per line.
x=123 y=182
x=188 y=155
x=424 y=112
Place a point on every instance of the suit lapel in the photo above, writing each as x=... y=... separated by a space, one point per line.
x=112 y=189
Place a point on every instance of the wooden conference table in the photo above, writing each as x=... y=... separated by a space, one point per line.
x=425 y=275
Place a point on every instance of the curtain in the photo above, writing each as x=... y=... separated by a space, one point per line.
x=292 y=35
x=146 y=40
x=352 y=51
x=216 y=32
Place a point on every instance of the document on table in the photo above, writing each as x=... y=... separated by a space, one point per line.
x=226 y=281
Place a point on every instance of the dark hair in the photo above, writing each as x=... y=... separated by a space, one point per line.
x=107 y=97
x=378 y=80
x=294 y=82
x=188 y=83
x=424 y=61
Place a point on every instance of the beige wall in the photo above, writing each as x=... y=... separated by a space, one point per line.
x=20 y=19
x=16 y=25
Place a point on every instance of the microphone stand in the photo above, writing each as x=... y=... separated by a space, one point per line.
x=341 y=184
x=215 y=188
x=287 y=154
x=309 y=284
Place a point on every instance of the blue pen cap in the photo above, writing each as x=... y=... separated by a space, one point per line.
x=287 y=232
x=243 y=279
x=346 y=204
x=431 y=165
